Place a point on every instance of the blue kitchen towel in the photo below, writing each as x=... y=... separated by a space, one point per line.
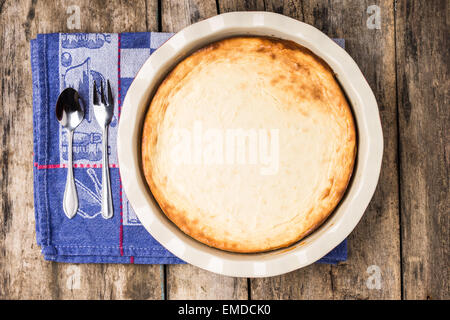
x=77 y=60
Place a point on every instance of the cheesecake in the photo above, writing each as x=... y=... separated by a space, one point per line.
x=249 y=144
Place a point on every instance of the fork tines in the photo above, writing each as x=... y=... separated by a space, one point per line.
x=102 y=94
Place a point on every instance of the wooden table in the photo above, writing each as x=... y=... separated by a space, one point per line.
x=400 y=249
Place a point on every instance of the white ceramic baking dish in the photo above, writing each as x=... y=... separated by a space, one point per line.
x=339 y=224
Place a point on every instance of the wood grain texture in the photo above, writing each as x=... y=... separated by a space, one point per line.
x=290 y=8
x=238 y=5
x=375 y=241
x=152 y=19
x=187 y=281
x=178 y=14
x=23 y=272
x=423 y=105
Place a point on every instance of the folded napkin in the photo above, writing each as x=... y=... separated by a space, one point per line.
x=76 y=60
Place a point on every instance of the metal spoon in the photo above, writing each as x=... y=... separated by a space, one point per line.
x=70 y=113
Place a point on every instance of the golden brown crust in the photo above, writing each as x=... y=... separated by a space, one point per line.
x=304 y=75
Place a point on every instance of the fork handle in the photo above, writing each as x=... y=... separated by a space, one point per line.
x=107 y=207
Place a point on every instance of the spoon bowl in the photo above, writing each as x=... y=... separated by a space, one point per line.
x=69 y=109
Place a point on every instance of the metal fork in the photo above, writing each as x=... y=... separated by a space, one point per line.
x=104 y=111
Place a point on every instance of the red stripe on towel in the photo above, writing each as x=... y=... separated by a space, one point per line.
x=76 y=165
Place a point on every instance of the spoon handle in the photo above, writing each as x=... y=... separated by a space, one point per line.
x=107 y=208
x=70 y=202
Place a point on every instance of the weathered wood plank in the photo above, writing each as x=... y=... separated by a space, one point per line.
x=290 y=8
x=178 y=14
x=187 y=281
x=423 y=105
x=152 y=20
x=375 y=241
x=23 y=272
x=241 y=5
